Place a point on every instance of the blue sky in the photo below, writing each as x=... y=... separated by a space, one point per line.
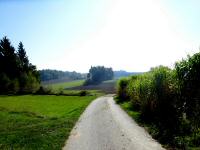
x=124 y=34
x=186 y=13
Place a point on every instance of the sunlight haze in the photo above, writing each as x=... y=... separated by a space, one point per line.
x=132 y=35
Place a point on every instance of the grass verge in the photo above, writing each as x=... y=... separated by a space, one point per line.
x=127 y=107
x=38 y=122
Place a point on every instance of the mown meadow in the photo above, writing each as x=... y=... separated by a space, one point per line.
x=167 y=102
x=64 y=85
x=38 y=122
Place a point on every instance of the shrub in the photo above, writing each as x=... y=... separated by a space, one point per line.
x=121 y=90
x=83 y=93
x=139 y=90
x=44 y=91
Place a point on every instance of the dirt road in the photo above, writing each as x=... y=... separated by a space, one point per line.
x=105 y=126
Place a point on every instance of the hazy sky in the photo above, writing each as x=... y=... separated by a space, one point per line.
x=132 y=35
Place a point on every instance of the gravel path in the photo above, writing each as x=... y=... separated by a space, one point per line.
x=105 y=126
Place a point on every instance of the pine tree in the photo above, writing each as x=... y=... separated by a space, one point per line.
x=23 y=58
x=16 y=73
x=9 y=62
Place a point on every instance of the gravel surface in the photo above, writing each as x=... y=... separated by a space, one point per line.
x=105 y=126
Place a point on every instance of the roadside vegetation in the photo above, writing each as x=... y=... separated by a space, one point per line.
x=166 y=102
x=38 y=122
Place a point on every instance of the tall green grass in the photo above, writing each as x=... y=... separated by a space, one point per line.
x=168 y=101
x=38 y=122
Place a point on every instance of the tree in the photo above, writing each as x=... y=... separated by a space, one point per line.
x=9 y=61
x=23 y=58
x=98 y=74
x=48 y=74
x=16 y=73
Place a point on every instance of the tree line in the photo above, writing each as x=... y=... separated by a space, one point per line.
x=122 y=73
x=99 y=74
x=168 y=101
x=17 y=74
x=48 y=74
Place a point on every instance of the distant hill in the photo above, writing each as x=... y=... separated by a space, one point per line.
x=57 y=76
x=122 y=73
x=48 y=75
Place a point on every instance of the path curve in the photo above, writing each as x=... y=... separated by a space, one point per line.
x=105 y=126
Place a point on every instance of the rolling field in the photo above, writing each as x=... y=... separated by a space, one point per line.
x=38 y=122
x=108 y=87
x=63 y=85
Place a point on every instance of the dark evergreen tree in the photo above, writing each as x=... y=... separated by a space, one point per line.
x=23 y=58
x=9 y=61
x=16 y=73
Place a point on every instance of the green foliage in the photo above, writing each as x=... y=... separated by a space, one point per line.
x=38 y=122
x=44 y=91
x=17 y=75
x=188 y=74
x=168 y=100
x=8 y=59
x=23 y=58
x=83 y=93
x=121 y=89
x=48 y=74
x=99 y=74
x=139 y=90
x=152 y=94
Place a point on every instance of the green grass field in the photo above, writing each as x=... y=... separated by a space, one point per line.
x=57 y=87
x=63 y=85
x=38 y=122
